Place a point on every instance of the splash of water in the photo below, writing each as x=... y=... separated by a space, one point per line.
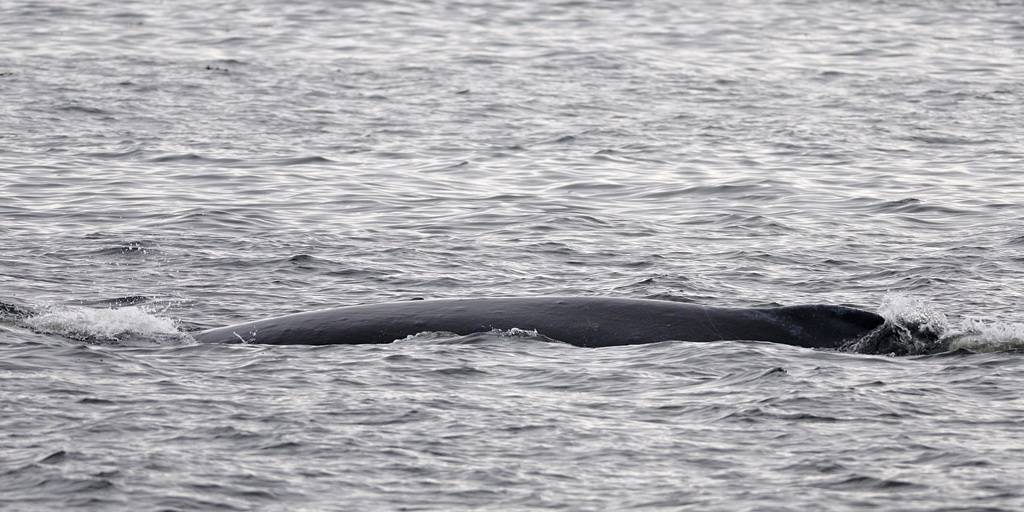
x=109 y=326
x=914 y=313
x=913 y=327
x=985 y=335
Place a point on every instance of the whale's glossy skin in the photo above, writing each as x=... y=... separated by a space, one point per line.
x=580 y=321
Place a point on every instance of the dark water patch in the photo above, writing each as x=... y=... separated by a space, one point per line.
x=802 y=417
x=83 y=109
x=587 y=186
x=456 y=167
x=864 y=482
x=128 y=249
x=460 y=372
x=304 y=259
x=950 y=140
x=284 y=446
x=230 y=62
x=376 y=274
x=326 y=266
x=749 y=376
x=743 y=191
x=950 y=459
x=96 y=401
x=818 y=467
x=914 y=205
x=190 y=158
x=761 y=224
x=54 y=458
x=300 y=160
x=62 y=485
x=116 y=155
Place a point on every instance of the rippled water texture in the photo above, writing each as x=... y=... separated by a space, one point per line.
x=170 y=166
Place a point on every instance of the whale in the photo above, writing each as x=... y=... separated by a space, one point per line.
x=592 y=322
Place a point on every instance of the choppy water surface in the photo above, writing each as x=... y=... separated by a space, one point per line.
x=169 y=166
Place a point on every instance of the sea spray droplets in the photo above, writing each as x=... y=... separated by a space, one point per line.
x=905 y=310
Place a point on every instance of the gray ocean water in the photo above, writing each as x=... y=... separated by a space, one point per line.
x=172 y=166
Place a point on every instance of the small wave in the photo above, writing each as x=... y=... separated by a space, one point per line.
x=105 y=326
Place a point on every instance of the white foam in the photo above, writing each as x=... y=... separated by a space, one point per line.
x=427 y=336
x=985 y=335
x=105 y=325
x=514 y=332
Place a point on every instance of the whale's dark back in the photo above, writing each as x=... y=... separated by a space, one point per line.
x=831 y=326
x=581 y=321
